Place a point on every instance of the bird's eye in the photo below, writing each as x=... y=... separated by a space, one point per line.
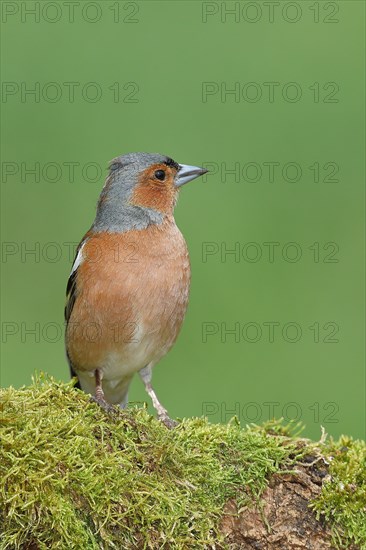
x=160 y=175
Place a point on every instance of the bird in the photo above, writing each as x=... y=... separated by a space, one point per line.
x=128 y=289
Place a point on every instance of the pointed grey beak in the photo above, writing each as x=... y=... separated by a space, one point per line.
x=188 y=173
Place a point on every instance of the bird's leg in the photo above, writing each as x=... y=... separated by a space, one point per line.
x=99 y=393
x=146 y=375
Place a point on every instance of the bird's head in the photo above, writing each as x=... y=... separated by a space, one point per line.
x=141 y=187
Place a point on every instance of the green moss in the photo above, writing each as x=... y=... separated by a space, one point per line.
x=343 y=497
x=72 y=477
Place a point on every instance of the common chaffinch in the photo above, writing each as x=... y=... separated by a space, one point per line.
x=128 y=289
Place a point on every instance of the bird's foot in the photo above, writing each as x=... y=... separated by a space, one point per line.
x=107 y=407
x=167 y=421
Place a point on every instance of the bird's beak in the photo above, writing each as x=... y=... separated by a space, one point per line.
x=188 y=173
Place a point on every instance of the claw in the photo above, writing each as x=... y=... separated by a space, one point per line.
x=109 y=409
x=167 y=421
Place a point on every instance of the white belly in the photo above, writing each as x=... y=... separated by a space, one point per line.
x=121 y=364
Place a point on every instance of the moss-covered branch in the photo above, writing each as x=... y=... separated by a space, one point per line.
x=73 y=477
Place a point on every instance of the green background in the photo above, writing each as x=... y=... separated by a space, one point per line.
x=169 y=52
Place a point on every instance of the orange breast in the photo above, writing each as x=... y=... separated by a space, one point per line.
x=132 y=294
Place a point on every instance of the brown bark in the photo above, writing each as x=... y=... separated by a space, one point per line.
x=284 y=521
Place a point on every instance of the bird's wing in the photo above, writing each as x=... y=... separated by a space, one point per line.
x=71 y=283
x=71 y=294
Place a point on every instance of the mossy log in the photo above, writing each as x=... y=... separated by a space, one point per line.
x=74 y=477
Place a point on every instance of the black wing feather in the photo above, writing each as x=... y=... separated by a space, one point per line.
x=70 y=302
